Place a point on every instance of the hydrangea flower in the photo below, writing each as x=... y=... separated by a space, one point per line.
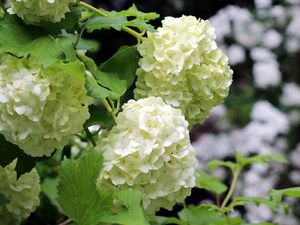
x=22 y=194
x=32 y=11
x=41 y=108
x=149 y=149
x=182 y=63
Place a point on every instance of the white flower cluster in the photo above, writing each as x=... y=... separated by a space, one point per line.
x=22 y=194
x=32 y=11
x=149 y=149
x=182 y=64
x=40 y=108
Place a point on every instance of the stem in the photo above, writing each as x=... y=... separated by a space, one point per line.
x=128 y=30
x=109 y=109
x=218 y=200
x=232 y=187
x=90 y=136
x=66 y=222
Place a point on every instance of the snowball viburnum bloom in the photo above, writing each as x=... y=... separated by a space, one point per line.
x=22 y=194
x=149 y=149
x=41 y=108
x=182 y=63
x=33 y=11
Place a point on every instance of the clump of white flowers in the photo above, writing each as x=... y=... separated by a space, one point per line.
x=40 y=108
x=32 y=11
x=149 y=149
x=22 y=194
x=182 y=63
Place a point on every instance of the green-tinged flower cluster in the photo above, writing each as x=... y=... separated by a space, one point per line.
x=22 y=194
x=182 y=63
x=41 y=108
x=32 y=11
x=149 y=149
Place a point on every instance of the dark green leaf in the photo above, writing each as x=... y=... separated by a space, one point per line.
x=123 y=63
x=205 y=181
x=99 y=116
x=78 y=196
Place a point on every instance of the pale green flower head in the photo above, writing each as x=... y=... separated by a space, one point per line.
x=149 y=149
x=41 y=108
x=182 y=64
x=22 y=194
x=33 y=11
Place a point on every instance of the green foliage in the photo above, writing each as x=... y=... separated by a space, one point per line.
x=77 y=193
x=131 y=212
x=21 y=40
x=99 y=116
x=205 y=181
x=118 y=20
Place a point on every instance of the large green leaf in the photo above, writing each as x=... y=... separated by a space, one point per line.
x=22 y=40
x=78 y=196
x=123 y=63
x=99 y=116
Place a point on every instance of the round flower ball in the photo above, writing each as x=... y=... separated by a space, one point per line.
x=34 y=11
x=22 y=194
x=40 y=108
x=182 y=64
x=149 y=149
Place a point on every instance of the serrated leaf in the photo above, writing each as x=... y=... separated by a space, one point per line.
x=124 y=63
x=22 y=40
x=107 y=22
x=134 y=12
x=78 y=196
x=3 y=200
x=132 y=212
x=205 y=181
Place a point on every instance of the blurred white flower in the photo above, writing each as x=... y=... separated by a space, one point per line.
x=263 y=3
x=291 y=95
x=266 y=74
x=236 y=54
x=272 y=39
x=261 y=54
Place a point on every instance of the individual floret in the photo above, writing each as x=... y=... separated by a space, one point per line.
x=182 y=63
x=149 y=149
x=22 y=194
x=41 y=108
x=33 y=11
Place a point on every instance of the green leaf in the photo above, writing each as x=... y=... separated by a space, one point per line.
x=132 y=212
x=244 y=161
x=9 y=152
x=22 y=40
x=107 y=22
x=214 y=164
x=99 y=116
x=201 y=215
x=205 y=181
x=140 y=24
x=3 y=200
x=49 y=188
x=160 y=220
x=277 y=195
x=102 y=84
x=78 y=196
x=134 y=12
x=123 y=63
